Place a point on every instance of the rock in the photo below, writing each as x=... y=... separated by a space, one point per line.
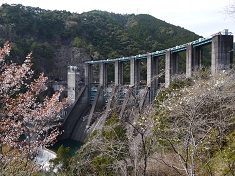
x=69 y=56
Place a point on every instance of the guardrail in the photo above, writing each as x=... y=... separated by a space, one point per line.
x=199 y=42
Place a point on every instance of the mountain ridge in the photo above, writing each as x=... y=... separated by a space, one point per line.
x=101 y=34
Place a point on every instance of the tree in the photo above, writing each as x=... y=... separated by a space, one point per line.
x=123 y=144
x=194 y=122
x=63 y=157
x=27 y=119
x=78 y=42
x=105 y=151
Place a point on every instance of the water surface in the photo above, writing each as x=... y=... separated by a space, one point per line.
x=74 y=145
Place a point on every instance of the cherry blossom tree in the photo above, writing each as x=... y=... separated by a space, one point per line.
x=27 y=121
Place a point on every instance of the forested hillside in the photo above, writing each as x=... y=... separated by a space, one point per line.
x=189 y=128
x=50 y=34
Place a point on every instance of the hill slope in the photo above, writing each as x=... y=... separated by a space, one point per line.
x=61 y=38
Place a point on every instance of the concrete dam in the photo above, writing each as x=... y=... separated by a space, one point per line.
x=99 y=97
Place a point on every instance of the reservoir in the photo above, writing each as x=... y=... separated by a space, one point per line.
x=72 y=144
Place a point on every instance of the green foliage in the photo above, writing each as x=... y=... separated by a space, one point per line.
x=179 y=84
x=174 y=86
x=100 y=164
x=103 y=150
x=113 y=120
x=44 y=50
x=163 y=125
x=224 y=160
x=43 y=54
x=117 y=132
x=63 y=156
x=111 y=35
x=196 y=122
x=79 y=43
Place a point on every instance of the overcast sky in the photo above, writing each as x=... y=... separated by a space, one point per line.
x=204 y=17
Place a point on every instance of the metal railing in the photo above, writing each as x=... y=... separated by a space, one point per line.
x=195 y=43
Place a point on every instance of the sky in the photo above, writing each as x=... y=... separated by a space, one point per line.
x=203 y=17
